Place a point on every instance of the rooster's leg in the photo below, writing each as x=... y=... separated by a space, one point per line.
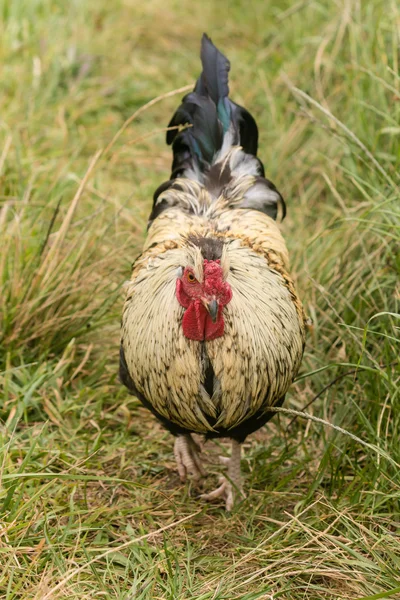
x=230 y=487
x=187 y=458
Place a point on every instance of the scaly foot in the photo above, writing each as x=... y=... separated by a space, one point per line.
x=187 y=458
x=231 y=487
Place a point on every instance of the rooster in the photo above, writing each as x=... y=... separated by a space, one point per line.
x=213 y=330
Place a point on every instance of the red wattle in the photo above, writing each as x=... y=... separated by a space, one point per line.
x=197 y=324
x=194 y=321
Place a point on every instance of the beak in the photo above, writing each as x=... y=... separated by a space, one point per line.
x=212 y=308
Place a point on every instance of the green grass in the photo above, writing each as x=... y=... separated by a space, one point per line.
x=91 y=505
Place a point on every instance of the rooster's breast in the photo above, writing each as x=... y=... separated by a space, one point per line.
x=217 y=385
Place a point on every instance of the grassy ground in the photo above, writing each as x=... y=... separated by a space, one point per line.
x=91 y=504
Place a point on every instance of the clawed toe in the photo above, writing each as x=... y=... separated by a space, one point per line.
x=227 y=491
x=231 y=487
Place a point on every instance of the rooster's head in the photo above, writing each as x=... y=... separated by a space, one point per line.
x=204 y=301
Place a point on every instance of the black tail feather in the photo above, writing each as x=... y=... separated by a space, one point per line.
x=209 y=113
x=248 y=130
x=213 y=81
x=204 y=135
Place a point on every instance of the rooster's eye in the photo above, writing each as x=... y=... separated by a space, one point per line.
x=191 y=278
